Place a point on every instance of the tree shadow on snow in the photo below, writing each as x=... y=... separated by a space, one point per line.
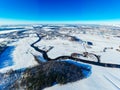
x=6 y=57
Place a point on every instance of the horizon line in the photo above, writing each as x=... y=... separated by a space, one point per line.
x=11 y=22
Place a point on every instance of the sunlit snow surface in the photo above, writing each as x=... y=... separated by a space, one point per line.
x=101 y=78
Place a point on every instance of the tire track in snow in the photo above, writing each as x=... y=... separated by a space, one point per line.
x=118 y=88
x=118 y=79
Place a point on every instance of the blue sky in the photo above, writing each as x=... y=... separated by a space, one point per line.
x=60 y=10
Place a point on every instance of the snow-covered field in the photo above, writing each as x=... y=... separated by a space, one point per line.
x=102 y=78
x=61 y=47
x=7 y=31
x=21 y=55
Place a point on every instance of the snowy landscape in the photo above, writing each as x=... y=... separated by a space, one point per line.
x=95 y=49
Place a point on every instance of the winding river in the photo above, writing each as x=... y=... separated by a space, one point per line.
x=46 y=57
